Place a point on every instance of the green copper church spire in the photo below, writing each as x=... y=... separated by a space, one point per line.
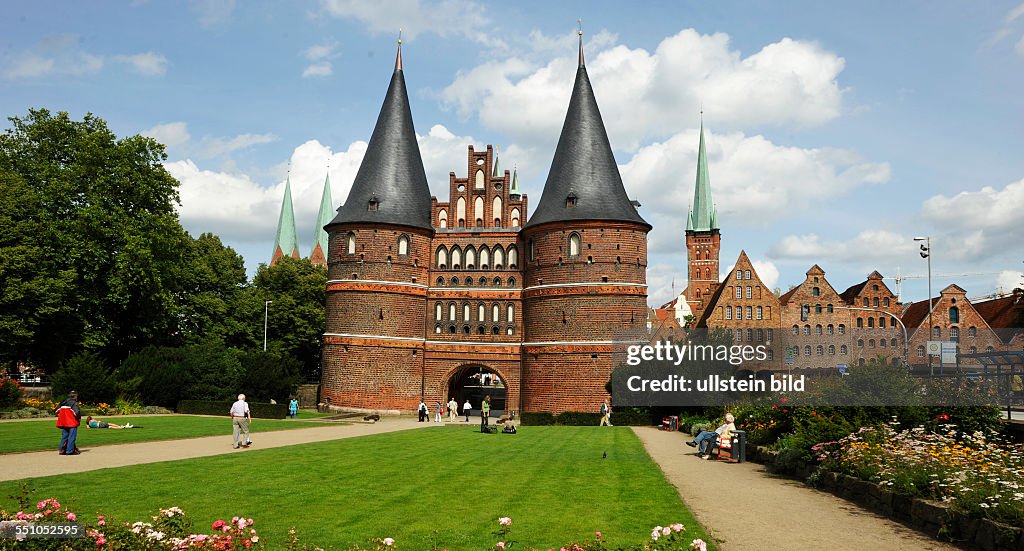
x=285 y=242
x=514 y=188
x=702 y=216
x=319 y=254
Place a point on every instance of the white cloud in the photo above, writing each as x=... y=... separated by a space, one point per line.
x=413 y=17
x=1009 y=280
x=321 y=69
x=1014 y=13
x=664 y=283
x=986 y=209
x=215 y=147
x=767 y=271
x=643 y=95
x=213 y=12
x=29 y=66
x=171 y=134
x=320 y=51
x=147 y=63
x=869 y=246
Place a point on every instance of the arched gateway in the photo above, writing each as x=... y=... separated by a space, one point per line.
x=473 y=382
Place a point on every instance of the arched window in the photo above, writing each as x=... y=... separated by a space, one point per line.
x=478 y=210
x=509 y=330
x=750 y=292
x=739 y=275
x=874 y=302
x=515 y=218
x=816 y=291
x=728 y=312
x=495 y=312
x=892 y=343
x=485 y=257
x=746 y=274
x=871 y=322
x=831 y=350
x=954 y=315
x=441 y=257
x=479 y=183
x=496 y=211
x=972 y=331
x=511 y=282
x=497 y=281
x=843 y=349
x=885 y=302
x=499 y=257
x=954 y=333
x=807 y=351
x=936 y=332
x=440 y=282
x=860 y=323
x=830 y=329
x=456 y=258
x=749 y=310
x=574 y=244
x=438 y=311
x=807 y=329
x=350 y=243
x=480 y=312
x=483 y=281
x=881 y=322
x=454 y=281
x=460 y=212
x=513 y=256
x=470 y=257
x=451 y=312
x=437 y=328
x=739 y=291
x=871 y=343
x=442 y=218
x=882 y=343
x=860 y=343
x=532 y=250
x=796 y=329
x=842 y=328
x=465 y=311
x=974 y=350
x=403 y=245
x=817 y=329
x=510 y=313
x=828 y=308
x=820 y=350
x=707 y=273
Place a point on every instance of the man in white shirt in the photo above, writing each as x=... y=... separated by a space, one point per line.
x=466 y=407
x=240 y=419
x=453 y=409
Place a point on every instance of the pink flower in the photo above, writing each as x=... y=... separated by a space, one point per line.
x=666 y=531
x=389 y=541
x=500 y=545
x=218 y=524
x=71 y=517
x=598 y=534
x=677 y=527
x=656 y=533
x=699 y=545
x=505 y=521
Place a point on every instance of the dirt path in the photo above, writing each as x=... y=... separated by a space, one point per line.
x=745 y=508
x=34 y=464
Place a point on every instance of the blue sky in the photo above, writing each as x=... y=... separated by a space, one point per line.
x=836 y=133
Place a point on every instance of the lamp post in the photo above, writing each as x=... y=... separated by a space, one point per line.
x=926 y=253
x=266 y=315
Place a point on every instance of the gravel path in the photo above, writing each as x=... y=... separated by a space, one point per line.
x=745 y=508
x=34 y=464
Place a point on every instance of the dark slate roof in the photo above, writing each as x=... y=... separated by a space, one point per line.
x=852 y=292
x=392 y=170
x=584 y=165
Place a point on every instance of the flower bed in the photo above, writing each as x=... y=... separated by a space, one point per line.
x=171 y=529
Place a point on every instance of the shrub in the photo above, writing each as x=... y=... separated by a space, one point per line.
x=634 y=418
x=87 y=373
x=537 y=418
x=155 y=375
x=257 y=410
x=578 y=418
x=10 y=392
x=268 y=376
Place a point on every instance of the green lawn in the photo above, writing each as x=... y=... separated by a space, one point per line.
x=21 y=436
x=552 y=482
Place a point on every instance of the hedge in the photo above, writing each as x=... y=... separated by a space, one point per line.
x=222 y=407
x=578 y=418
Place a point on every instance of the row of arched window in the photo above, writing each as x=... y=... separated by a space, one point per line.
x=752 y=292
x=747 y=312
x=820 y=349
x=471 y=258
x=881 y=343
x=759 y=334
x=480 y=330
x=402 y=245
x=818 y=329
x=875 y=302
x=871 y=323
x=478 y=214
x=467 y=311
x=469 y=282
x=743 y=274
x=954 y=332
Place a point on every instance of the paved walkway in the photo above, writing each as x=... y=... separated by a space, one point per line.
x=34 y=464
x=745 y=508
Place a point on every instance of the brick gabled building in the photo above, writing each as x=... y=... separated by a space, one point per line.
x=953 y=318
x=817 y=323
x=431 y=299
x=747 y=308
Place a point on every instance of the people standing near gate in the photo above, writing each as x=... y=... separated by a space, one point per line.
x=68 y=419
x=453 y=409
x=466 y=408
x=606 y=414
x=422 y=410
x=439 y=413
x=240 y=419
x=485 y=412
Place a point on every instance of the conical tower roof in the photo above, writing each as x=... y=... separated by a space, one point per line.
x=391 y=185
x=319 y=251
x=584 y=181
x=285 y=242
x=703 y=215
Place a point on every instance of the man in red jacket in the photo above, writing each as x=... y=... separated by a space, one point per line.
x=68 y=419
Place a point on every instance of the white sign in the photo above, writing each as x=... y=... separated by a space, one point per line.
x=934 y=348
x=948 y=352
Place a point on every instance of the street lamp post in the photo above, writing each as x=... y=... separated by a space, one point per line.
x=266 y=316
x=926 y=253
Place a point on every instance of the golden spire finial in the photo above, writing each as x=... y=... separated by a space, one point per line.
x=579 y=31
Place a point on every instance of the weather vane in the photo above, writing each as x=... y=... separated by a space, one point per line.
x=579 y=26
x=399 y=36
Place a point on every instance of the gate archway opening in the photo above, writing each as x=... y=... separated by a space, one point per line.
x=474 y=382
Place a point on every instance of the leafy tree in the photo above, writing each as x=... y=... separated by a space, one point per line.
x=87 y=373
x=95 y=240
x=297 y=317
x=268 y=375
x=213 y=277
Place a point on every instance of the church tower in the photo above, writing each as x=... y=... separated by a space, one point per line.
x=703 y=240
x=377 y=269
x=585 y=291
x=285 y=242
x=318 y=256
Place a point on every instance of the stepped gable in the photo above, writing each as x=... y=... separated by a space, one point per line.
x=584 y=181
x=391 y=185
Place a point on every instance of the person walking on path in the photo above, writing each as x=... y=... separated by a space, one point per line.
x=293 y=408
x=240 y=419
x=606 y=414
x=466 y=408
x=439 y=413
x=69 y=417
x=453 y=409
x=422 y=410
x=485 y=412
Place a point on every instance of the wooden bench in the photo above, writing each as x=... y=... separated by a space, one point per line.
x=722 y=450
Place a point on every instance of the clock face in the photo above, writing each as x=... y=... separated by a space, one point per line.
x=479 y=162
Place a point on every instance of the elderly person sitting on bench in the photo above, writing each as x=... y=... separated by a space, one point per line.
x=706 y=440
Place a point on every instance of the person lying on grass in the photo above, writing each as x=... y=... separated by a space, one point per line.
x=97 y=424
